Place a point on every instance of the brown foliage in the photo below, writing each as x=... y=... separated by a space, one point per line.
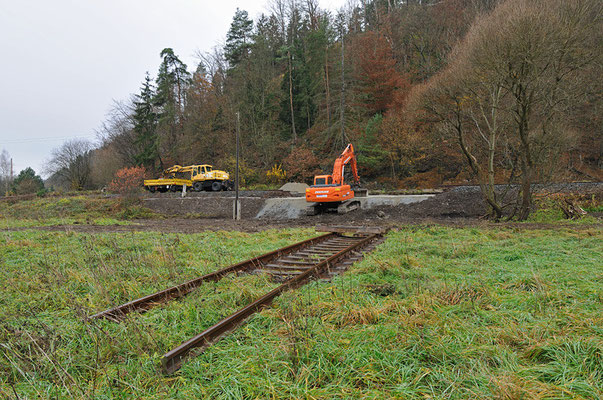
x=376 y=71
x=423 y=180
x=127 y=181
x=507 y=92
x=27 y=186
x=301 y=164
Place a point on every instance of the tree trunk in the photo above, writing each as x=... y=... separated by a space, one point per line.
x=327 y=86
x=293 y=132
x=487 y=190
x=526 y=191
x=526 y=154
x=342 y=107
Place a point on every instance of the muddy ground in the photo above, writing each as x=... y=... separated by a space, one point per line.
x=459 y=206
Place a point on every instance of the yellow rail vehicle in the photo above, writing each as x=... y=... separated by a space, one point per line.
x=194 y=177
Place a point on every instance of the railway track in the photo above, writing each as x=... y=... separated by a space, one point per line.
x=320 y=257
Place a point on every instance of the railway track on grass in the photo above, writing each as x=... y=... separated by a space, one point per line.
x=295 y=265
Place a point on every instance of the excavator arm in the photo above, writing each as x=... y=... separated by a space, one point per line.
x=178 y=169
x=346 y=157
x=172 y=170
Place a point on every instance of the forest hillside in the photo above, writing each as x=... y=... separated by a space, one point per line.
x=429 y=92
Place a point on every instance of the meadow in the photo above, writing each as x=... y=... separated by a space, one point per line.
x=434 y=312
x=81 y=209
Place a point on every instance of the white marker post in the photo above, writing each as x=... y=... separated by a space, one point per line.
x=236 y=212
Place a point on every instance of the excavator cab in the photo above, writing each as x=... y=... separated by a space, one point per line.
x=323 y=180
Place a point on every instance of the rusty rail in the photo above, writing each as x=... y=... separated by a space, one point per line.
x=172 y=360
x=144 y=303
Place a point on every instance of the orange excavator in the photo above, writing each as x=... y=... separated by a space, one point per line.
x=330 y=193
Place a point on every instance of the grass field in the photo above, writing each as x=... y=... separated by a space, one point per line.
x=49 y=211
x=434 y=312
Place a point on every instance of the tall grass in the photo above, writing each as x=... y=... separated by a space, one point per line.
x=434 y=312
x=71 y=210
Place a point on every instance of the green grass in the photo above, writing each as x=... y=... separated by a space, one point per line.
x=555 y=215
x=548 y=209
x=434 y=312
x=71 y=210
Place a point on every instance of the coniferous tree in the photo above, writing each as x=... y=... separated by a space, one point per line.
x=145 y=125
x=172 y=81
x=238 y=38
x=27 y=182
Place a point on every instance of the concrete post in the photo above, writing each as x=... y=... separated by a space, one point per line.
x=236 y=214
x=183 y=190
x=236 y=209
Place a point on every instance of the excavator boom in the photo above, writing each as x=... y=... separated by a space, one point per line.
x=347 y=156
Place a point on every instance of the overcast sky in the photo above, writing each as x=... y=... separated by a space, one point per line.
x=65 y=61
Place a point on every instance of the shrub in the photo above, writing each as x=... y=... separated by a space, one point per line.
x=302 y=164
x=276 y=175
x=247 y=175
x=127 y=181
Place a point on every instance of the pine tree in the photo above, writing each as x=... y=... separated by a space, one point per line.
x=27 y=182
x=145 y=125
x=238 y=38
x=172 y=81
x=298 y=107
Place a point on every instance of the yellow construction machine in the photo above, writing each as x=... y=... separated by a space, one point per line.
x=194 y=177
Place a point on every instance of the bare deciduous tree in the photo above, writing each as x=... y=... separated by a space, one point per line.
x=510 y=86
x=5 y=171
x=118 y=130
x=536 y=50
x=71 y=163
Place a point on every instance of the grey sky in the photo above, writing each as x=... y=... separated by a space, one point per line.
x=64 y=61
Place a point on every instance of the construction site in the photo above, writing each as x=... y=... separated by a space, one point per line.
x=301 y=200
x=330 y=194
x=170 y=289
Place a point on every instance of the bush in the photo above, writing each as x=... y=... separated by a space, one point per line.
x=127 y=181
x=247 y=175
x=276 y=175
x=302 y=164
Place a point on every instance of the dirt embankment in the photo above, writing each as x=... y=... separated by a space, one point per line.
x=457 y=206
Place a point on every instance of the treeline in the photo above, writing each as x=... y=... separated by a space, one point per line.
x=304 y=82
x=479 y=91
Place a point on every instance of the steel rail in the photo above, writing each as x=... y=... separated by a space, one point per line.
x=172 y=360
x=144 y=303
